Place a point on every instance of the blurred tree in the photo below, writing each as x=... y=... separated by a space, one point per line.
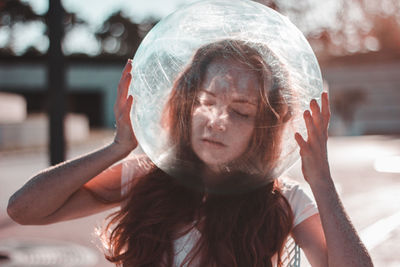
x=361 y=26
x=344 y=27
x=16 y=14
x=13 y=11
x=387 y=32
x=120 y=36
x=12 y=14
x=333 y=27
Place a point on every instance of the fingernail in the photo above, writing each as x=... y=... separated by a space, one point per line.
x=307 y=113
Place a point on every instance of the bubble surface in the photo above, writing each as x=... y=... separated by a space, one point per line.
x=168 y=82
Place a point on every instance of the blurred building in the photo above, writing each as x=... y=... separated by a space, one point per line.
x=91 y=92
x=91 y=85
x=364 y=89
x=365 y=93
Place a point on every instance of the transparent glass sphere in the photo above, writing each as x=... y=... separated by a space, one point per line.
x=179 y=72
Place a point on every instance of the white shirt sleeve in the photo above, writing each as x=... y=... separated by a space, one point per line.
x=303 y=204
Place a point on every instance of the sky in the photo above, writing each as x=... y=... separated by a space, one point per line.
x=81 y=39
x=96 y=11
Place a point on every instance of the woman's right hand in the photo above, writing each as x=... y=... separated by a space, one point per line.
x=66 y=191
x=125 y=138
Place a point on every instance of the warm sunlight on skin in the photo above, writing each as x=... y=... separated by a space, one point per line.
x=224 y=115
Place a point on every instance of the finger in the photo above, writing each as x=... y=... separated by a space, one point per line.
x=311 y=130
x=316 y=114
x=300 y=140
x=123 y=89
x=128 y=67
x=125 y=86
x=122 y=96
x=124 y=81
x=325 y=110
x=302 y=144
x=124 y=116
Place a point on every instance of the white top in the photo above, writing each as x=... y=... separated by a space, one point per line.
x=302 y=204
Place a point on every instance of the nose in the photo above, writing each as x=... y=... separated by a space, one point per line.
x=218 y=120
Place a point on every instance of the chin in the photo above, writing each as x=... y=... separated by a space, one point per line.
x=214 y=162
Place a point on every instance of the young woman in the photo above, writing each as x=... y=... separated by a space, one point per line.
x=222 y=205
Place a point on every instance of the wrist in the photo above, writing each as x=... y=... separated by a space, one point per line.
x=121 y=150
x=324 y=184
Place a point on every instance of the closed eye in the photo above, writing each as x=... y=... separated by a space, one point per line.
x=241 y=114
x=243 y=110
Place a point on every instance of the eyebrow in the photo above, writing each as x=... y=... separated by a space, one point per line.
x=236 y=100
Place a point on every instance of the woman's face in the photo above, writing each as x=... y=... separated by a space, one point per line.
x=223 y=117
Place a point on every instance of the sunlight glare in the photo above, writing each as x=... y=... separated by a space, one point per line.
x=388 y=164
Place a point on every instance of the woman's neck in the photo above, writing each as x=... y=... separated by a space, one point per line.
x=213 y=176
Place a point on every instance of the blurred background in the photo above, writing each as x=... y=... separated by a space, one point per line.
x=60 y=63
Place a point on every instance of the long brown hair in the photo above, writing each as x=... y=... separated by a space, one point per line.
x=242 y=229
x=272 y=115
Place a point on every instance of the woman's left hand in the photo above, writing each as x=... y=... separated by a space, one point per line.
x=344 y=246
x=313 y=152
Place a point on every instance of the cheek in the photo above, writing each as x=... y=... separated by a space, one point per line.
x=245 y=125
x=198 y=120
x=243 y=132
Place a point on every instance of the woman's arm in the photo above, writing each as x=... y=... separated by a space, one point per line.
x=309 y=235
x=62 y=192
x=344 y=246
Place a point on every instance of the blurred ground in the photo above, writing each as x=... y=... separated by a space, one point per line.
x=371 y=197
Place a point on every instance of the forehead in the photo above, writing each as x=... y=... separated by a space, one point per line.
x=231 y=77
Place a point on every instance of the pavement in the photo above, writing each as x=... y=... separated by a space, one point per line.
x=365 y=170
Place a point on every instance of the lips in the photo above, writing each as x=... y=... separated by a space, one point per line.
x=212 y=142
